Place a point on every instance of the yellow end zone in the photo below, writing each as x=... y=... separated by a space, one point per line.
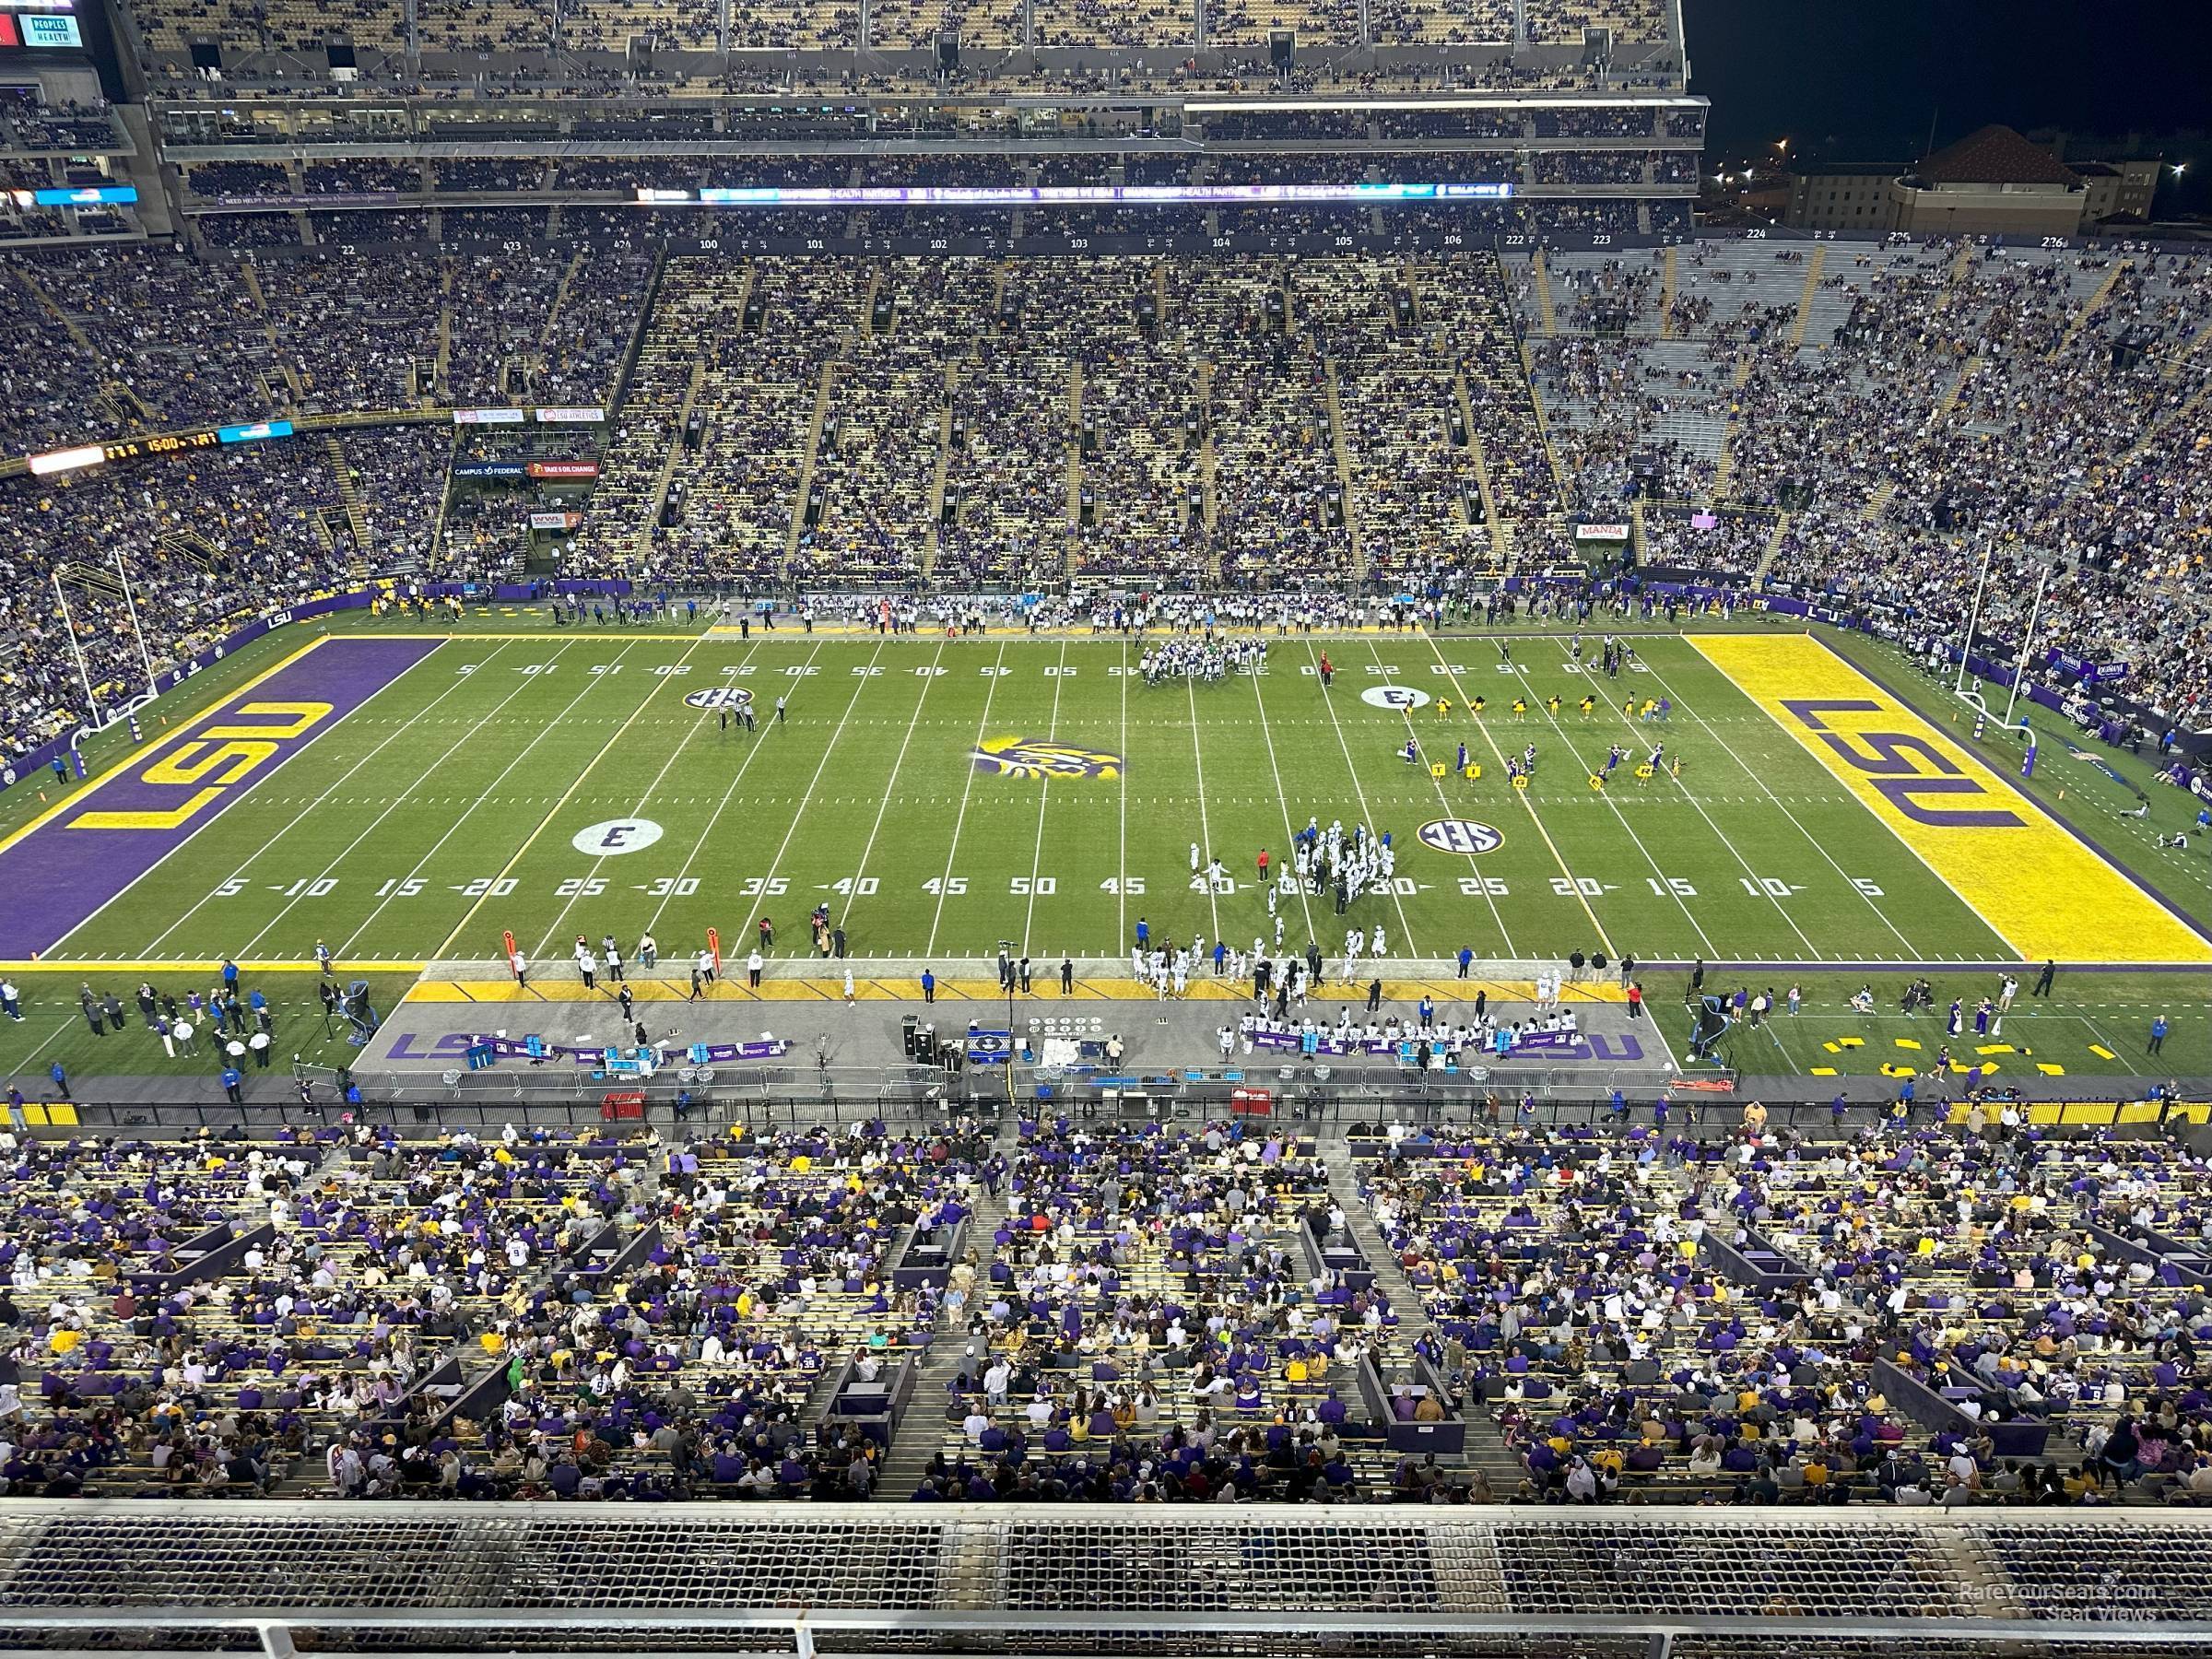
x=2041 y=889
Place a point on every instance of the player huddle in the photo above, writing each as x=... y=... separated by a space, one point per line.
x=1208 y=659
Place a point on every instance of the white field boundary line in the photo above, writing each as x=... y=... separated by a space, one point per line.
x=698 y=844
x=891 y=785
x=983 y=729
x=1044 y=789
x=445 y=949
x=1674 y=1066
x=1496 y=916
x=1527 y=805
x=1359 y=789
x=1206 y=833
x=1121 y=864
x=389 y=807
x=143 y=750
x=1591 y=771
x=1305 y=903
x=1941 y=879
x=830 y=748
x=461 y=682
x=1767 y=789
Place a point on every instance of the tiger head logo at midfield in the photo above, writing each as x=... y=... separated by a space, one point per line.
x=1043 y=758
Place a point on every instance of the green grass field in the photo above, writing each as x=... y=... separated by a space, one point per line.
x=467 y=798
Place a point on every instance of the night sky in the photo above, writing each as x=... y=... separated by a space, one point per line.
x=1859 y=79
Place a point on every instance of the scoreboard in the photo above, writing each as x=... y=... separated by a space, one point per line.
x=156 y=443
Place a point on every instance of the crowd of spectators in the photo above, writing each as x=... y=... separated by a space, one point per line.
x=1893 y=1314
x=1909 y=406
x=1586 y=1298
x=1865 y=428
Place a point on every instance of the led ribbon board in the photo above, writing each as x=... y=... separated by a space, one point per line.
x=1065 y=196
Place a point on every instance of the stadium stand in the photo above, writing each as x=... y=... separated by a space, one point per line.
x=1915 y=1318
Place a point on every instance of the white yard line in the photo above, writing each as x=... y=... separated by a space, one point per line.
x=1205 y=834
x=812 y=784
x=1305 y=903
x=1121 y=884
x=521 y=755
x=982 y=728
x=1591 y=771
x=460 y=682
x=890 y=786
x=676 y=752
x=1045 y=788
x=698 y=844
x=1751 y=773
x=1496 y=916
x=1812 y=952
x=1527 y=805
x=1366 y=816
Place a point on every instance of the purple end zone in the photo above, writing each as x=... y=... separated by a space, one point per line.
x=63 y=872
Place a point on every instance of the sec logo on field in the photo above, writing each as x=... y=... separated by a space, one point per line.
x=1459 y=835
x=719 y=697
x=616 y=837
x=1395 y=697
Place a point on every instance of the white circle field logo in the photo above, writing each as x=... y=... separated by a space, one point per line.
x=616 y=837
x=1459 y=835
x=719 y=697
x=1395 y=697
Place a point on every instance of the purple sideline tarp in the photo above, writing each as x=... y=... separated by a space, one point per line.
x=110 y=835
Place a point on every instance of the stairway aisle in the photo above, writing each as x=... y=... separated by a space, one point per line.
x=1486 y=1448
x=921 y=1431
x=1405 y=1301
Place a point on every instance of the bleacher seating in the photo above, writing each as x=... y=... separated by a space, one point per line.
x=1145 y=1324
x=1667 y=1317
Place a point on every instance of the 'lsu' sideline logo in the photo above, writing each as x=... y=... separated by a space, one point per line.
x=1459 y=835
x=1902 y=767
x=1041 y=757
x=210 y=763
x=719 y=697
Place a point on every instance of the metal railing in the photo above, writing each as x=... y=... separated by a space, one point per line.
x=1381 y=1581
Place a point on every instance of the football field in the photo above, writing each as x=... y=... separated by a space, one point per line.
x=410 y=800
